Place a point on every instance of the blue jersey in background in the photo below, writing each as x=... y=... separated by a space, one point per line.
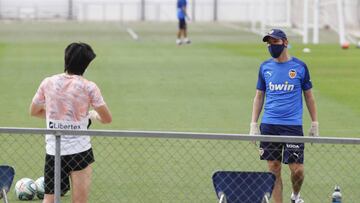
x=283 y=84
x=180 y=12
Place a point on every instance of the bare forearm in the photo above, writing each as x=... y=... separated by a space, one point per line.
x=311 y=105
x=101 y=114
x=37 y=110
x=312 y=109
x=40 y=114
x=257 y=106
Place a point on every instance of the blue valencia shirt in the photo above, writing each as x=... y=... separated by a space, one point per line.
x=283 y=84
x=180 y=11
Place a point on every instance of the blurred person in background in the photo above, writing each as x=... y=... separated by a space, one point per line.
x=64 y=101
x=281 y=82
x=182 y=16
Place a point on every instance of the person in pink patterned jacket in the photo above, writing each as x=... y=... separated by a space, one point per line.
x=64 y=100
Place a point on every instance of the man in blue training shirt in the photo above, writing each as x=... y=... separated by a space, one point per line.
x=281 y=82
x=182 y=15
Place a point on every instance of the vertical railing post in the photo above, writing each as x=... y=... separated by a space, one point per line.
x=193 y=10
x=0 y=10
x=341 y=28
x=57 y=175
x=215 y=10
x=316 y=22
x=142 y=10
x=306 y=22
x=70 y=10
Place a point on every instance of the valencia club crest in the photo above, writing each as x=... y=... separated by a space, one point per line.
x=292 y=73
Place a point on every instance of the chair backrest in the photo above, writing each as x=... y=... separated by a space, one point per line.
x=243 y=187
x=6 y=177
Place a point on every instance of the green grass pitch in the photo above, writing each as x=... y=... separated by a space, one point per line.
x=152 y=84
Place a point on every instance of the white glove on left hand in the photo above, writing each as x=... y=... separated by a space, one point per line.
x=254 y=129
x=314 y=129
x=93 y=115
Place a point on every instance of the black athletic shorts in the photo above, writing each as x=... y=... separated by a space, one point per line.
x=69 y=163
x=182 y=24
x=288 y=153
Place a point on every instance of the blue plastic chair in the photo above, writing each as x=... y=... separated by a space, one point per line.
x=7 y=174
x=243 y=187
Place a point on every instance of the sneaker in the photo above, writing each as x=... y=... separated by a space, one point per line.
x=297 y=201
x=178 y=41
x=187 y=41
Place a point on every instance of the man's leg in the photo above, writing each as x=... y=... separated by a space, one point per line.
x=49 y=171
x=179 y=34
x=48 y=198
x=185 y=34
x=272 y=152
x=275 y=168
x=294 y=157
x=182 y=31
x=178 y=39
x=65 y=184
x=186 y=39
x=297 y=177
x=80 y=183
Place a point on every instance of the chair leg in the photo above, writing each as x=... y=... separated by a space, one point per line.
x=266 y=199
x=222 y=198
x=4 y=195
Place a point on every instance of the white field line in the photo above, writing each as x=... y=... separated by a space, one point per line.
x=132 y=33
x=234 y=27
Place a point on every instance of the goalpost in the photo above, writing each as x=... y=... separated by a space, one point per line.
x=305 y=18
x=333 y=16
x=317 y=14
x=269 y=13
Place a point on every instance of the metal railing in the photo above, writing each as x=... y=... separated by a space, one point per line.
x=177 y=166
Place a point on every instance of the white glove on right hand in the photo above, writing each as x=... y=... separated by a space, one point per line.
x=314 y=129
x=93 y=115
x=254 y=129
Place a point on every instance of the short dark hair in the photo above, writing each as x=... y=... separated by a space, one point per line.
x=77 y=58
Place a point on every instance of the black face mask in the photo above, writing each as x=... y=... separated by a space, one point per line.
x=276 y=49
